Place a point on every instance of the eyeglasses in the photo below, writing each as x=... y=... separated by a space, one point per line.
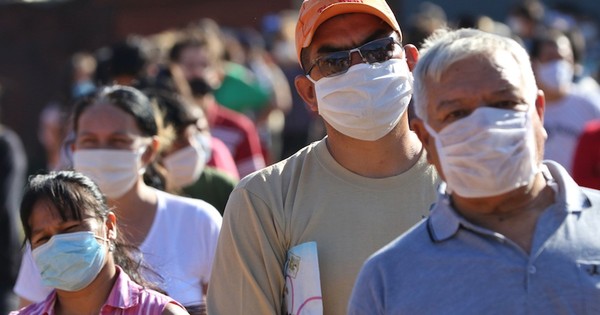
x=339 y=62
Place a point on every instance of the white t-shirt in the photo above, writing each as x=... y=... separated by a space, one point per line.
x=179 y=247
x=564 y=121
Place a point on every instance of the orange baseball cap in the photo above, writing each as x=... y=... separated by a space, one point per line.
x=314 y=12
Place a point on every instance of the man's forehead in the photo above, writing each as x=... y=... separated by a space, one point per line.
x=343 y=29
x=478 y=74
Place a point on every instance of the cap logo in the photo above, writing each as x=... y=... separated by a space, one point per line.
x=321 y=9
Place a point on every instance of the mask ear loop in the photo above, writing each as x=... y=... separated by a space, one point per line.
x=111 y=244
x=140 y=152
x=440 y=152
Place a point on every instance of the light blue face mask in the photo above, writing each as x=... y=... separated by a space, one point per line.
x=70 y=261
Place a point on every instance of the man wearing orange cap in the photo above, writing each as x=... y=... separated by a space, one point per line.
x=295 y=234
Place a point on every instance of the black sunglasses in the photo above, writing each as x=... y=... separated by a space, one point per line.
x=339 y=62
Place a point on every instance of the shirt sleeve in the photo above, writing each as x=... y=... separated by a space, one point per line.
x=29 y=282
x=211 y=229
x=247 y=275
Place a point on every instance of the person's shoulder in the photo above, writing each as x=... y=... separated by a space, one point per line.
x=174 y=309
x=282 y=170
x=32 y=309
x=405 y=247
x=155 y=302
x=186 y=205
x=212 y=174
x=584 y=101
x=235 y=118
x=9 y=138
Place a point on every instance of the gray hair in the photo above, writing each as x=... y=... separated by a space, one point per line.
x=444 y=48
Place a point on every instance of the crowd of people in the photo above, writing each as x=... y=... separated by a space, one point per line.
x=338 y=162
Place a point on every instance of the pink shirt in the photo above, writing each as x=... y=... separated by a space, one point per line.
x=126 y=297
x=221 y=158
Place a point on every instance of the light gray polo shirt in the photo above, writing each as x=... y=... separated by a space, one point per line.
x=447 y=265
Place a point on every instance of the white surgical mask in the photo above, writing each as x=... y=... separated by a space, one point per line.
x=185 y=166
x=368 y=101
x=206 y=143
x=488 y=153
x=115 y=171
x=555 y=74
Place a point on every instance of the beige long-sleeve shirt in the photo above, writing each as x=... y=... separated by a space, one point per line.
x=310 y=197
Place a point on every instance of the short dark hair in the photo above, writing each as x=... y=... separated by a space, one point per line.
x=177 y=49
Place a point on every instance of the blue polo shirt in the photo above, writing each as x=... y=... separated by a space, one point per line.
x=447 y=265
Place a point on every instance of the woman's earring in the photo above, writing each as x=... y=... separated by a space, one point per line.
x=111 y=247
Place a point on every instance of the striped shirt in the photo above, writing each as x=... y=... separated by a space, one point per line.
x=125 y=298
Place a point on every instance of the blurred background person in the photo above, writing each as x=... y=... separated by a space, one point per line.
x=83 y=69
x=266 y=76
x=424 y=21
x=525 y=19
x=124 y=62
x=80 y=253
x=13 y=166
x=185 y=160
x=199 y=62
x=301 y=126
x=118 y=136
x=567 y=112
x=51 y=133
x=170 y=80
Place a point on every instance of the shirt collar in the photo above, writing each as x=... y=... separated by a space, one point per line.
x=568 y=191
x=444 y=222
x=49 y=304
x=125 y=293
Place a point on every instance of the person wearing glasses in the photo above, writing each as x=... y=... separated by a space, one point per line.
x=511 y=233
x=296 y=233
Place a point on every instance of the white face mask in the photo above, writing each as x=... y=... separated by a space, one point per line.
x=556 y=74
x=488 y=153
x=206 y=143
x=368 y=101
x=185 y=166
x=115 y=171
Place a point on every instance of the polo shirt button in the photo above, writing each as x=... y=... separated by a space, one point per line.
x=532 y=269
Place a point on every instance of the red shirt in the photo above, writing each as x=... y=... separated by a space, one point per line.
x=240 y=136
x=221 y=158
x=586 y=161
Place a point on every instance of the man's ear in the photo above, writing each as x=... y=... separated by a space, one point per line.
x=418 y=126
x=540 y=108
x=540 y=104
x=306 y=90
x=412 y=56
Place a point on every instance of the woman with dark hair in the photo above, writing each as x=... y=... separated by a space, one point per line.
x=117 y=139
x=185 y=160
x=75 y=244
